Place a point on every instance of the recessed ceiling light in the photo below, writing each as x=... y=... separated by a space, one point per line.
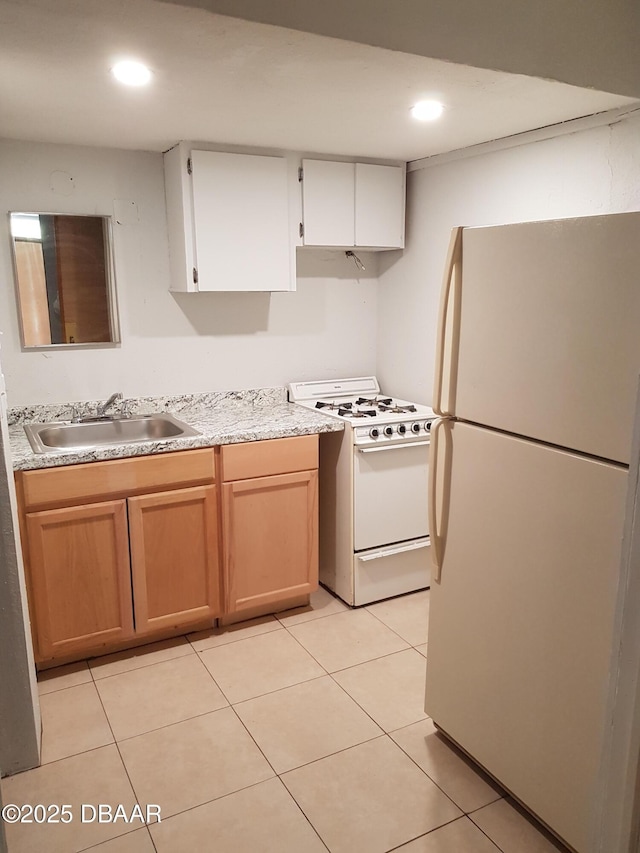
x=131 y=73
x=427 y=110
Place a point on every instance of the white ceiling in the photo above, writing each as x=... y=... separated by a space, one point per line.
x=220 y=79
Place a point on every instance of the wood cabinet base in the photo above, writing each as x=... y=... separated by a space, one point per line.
x=123 y=553
x=264 y=610
x=132 y=643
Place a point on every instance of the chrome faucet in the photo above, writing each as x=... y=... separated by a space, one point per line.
x=101 y=410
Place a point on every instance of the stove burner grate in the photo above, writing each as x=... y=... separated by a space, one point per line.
x=359 y=413
x=398 y=410
x=333 y=406
x=373 y=401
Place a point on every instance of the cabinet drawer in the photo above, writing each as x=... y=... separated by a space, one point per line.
x=265 y=458
x=119 y=478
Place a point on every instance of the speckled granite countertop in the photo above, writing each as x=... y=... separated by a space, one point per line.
x=221 y=418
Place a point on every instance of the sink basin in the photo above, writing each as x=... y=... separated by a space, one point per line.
x=59 y=436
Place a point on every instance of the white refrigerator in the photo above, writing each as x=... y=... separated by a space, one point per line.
x=537 y=367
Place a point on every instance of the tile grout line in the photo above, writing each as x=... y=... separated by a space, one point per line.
x=237 y=640
x=142 y=734
x=331 y=754
x=82 y=751
x=231 y=794
x=60 y=689
x=122 y=761
x=342 y=669
x=380 y=657
x=144 y=666
x=276 y=774
x=266 y=693
x=315 y=618
x=115 y=838
x=237 y=716
x=304 y=815
x=530 y=819
x=213 y=800
x=495 y=844
x=465 y=813
x=231 y=705
x=279 y=689
x=440 y=788
x=393 y=629
x=364 y=711
x=174 y=723
x=283 y=627
x=425 y=834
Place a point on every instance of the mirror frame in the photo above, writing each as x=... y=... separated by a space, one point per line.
x=112 y=293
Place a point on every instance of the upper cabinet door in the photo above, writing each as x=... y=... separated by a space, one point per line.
x=353 y=205
x=241 y=222
x=379 y=206
x=328 y=197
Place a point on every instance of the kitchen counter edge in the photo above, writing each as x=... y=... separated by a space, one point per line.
x=228 y=423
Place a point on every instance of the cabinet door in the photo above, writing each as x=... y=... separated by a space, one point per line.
x=379 y=206
x=328 y=193
x=174 y=558
x=80 y=577
x=270 y=539
x=241 y=222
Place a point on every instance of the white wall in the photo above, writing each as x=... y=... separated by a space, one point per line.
x=174 y=343
x=591 y=172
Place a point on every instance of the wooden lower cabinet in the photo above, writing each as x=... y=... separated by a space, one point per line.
x=174 y=558
x=120 y=551
x=80 y=581
x=270 y=539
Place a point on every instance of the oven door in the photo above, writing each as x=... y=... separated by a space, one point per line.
x=390 y=493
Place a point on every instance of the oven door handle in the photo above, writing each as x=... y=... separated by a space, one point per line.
x=393 y=551
x=391 y=446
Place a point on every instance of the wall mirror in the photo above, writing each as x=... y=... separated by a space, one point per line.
x=64 y=279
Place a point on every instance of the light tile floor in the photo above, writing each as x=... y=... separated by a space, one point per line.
x=297 y=733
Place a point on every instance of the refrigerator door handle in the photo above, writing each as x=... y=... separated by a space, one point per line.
x=451 y=274
x=434 y=533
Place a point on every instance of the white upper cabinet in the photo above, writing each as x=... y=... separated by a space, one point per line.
x=228 y=219
x=353 y=205
x=379 y=205
x=328 y=192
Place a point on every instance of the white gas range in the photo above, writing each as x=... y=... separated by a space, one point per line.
x=374 y=531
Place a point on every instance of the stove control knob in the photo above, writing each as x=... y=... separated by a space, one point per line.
x=402 y=429
x=374 y=433
x=388 y=430
x=415 y=428
x=427 y=426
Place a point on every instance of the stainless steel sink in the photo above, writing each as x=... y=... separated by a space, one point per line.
x=60 y=436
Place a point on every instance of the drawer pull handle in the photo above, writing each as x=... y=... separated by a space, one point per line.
x=392 y=446
x=393 y=551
